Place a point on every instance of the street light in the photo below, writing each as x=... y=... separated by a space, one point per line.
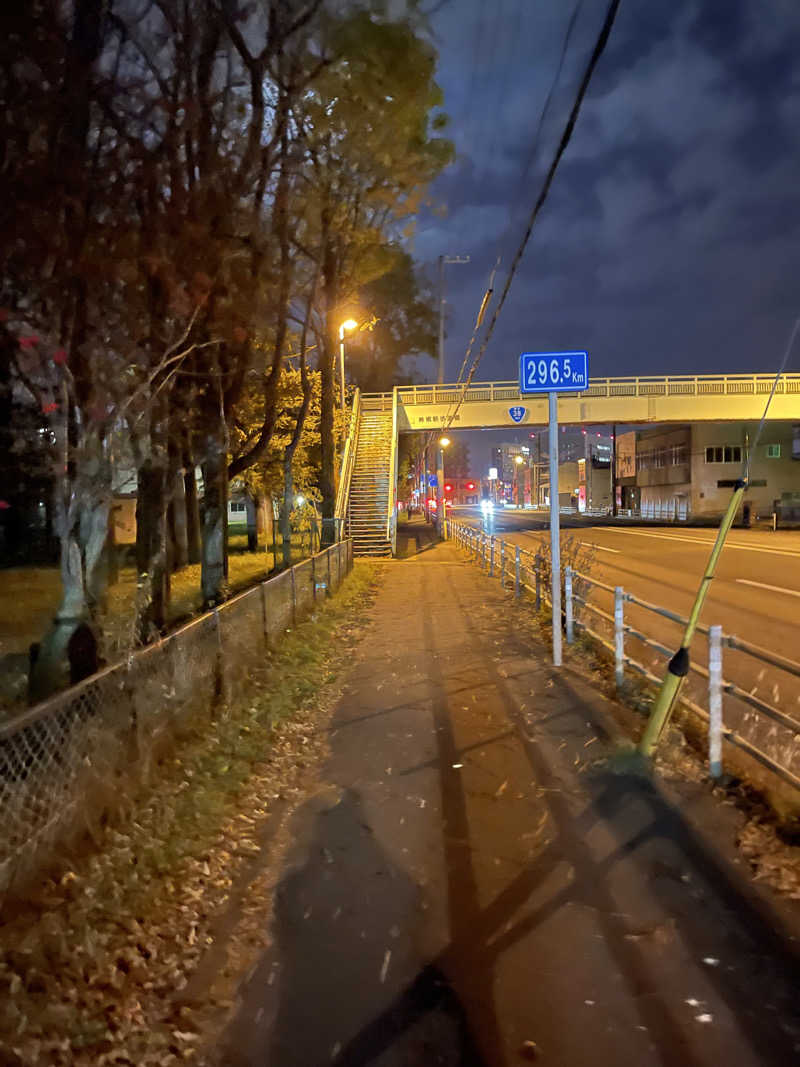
x=348 y=325
x=519 y=461
x=440 y=498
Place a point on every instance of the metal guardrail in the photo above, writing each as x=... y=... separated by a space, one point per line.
x=391 y=511
x=70 y=756
x=346 y=470
x=528 y=575
x=649 y=386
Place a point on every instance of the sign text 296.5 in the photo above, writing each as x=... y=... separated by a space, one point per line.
x=553 y=372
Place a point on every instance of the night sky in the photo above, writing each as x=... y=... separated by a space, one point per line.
x=670 y=242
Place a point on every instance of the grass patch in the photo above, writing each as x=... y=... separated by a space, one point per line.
x=90 y=964
x=31 y=596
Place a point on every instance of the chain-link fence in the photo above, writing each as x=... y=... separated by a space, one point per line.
x=67 y=760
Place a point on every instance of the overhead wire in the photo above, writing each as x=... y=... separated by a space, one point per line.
x=566 y=136
x=760 y=428
x=526 y=168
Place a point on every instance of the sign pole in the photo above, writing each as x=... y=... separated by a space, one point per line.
x=552 y=373
x=555 y=542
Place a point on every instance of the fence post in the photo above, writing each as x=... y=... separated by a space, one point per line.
x=294 y=598
x=328 y=554
x=619 y=635
x=715 y=701
x=491 y=557
x=314 y=576
x=516 y=571
x=538 y=572
x=502 y=564
x=568 y=602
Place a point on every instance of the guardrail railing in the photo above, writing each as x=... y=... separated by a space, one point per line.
x=391 y=510
x=769 y=726
x=346 y=470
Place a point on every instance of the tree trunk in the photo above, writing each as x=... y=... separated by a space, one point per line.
x=286 y=509
x=151 y=550
x=82 y=528
x=252 y=523
x=327 y=480
x=178 y=546
x=192 y=506
x=215 y=518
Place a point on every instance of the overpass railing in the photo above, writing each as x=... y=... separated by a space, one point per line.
x=745 y=720
x=648 y=386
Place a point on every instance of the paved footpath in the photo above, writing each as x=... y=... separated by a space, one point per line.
x=466 y=881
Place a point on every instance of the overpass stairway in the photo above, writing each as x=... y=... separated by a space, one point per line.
x=368 y=503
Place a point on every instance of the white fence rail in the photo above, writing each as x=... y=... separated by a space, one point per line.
x=766 y=733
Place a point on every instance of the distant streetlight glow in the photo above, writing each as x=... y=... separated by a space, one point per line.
x=444 y=442
x=300 y=501
x=518 y=460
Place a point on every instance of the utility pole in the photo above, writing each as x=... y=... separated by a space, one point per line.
x=442 y=261
x=614 y=470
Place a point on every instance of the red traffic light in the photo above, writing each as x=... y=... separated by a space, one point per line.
x=448 y=489
x=470 y=485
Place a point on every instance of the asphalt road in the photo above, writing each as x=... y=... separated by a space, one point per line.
x=755 y=596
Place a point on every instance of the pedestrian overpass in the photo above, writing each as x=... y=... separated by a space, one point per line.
x=684 y=398
x=369 y=461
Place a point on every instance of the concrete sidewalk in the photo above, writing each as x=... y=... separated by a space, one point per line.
x=466 y=880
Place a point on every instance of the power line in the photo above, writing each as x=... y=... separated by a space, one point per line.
x=528 y=161
x=546 y=106
x=566 y=136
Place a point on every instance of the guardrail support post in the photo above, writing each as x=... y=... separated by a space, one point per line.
x=538 y=572
x=491 y=557
x=516 y=571
x=619 y=636
x=568 y=603
x=715 y=701
x=502 y=564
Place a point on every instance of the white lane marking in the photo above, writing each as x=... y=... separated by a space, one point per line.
x=704 y=541
x=773 y=588
x=601 y=548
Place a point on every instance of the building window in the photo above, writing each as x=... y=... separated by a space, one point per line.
x=678 y=455
x=236 y=506
x=773 y=451
x=724 y=454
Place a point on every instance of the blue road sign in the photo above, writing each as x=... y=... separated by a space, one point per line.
x=517 y=413
x=433 y=481
x=553 y=372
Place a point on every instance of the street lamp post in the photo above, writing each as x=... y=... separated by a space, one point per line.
x=348 y=324
x=518 y=460
x=440 y=497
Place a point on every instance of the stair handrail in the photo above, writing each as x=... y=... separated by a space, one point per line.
x=391 y=517
x=346 y=470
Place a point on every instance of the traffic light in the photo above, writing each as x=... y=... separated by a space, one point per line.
x=448 y=489
x=470 y=485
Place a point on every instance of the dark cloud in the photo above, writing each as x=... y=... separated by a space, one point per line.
x=671 y=239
